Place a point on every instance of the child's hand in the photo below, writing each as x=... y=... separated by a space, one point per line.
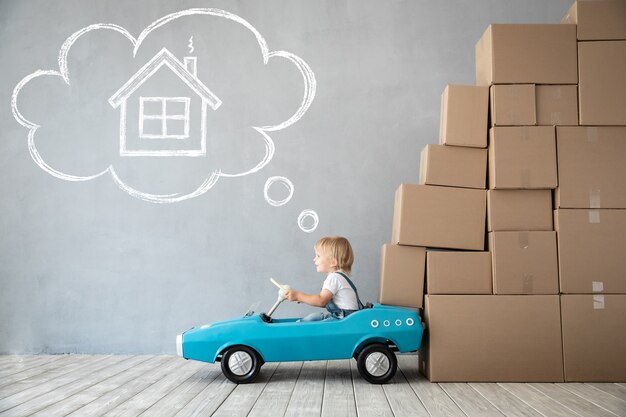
x=291 y=295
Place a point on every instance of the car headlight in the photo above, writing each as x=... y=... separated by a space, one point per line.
x=179 y=345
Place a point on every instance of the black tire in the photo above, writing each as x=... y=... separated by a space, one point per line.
x=382 y=364
x=241 y=364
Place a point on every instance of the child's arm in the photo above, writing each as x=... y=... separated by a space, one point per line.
x=317 y=300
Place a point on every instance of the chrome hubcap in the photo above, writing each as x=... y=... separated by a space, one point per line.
x=377 y=364
x=240 y=363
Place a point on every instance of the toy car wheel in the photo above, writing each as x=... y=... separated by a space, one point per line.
x=376 y=363
x=241 y=364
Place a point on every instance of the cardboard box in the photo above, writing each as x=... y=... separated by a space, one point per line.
x=513 y=105
x=458 y=272
x=557 y=105
x=598 y=20
x=527 y=54
x=492 y=338
x=591 y=250
x=439 y=217
x=522 y=158
x=592 y=167
x=594 y=340
x=402 y=276
x=601 y=84
x=524 y=262
x=519 y=210
x=454 y=166
x=530 y=104
x=464 y=112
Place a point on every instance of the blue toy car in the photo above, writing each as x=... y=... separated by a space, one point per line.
x=243 y=345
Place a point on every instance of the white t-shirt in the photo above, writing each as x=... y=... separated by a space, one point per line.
x=343 y=294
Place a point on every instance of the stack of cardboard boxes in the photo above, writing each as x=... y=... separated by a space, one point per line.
x=590 y=201
x=519 y=311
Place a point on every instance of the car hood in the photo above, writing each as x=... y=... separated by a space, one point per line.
x=253 y=318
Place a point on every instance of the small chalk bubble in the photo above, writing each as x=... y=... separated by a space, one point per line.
x=308 y=216
x=282 y=180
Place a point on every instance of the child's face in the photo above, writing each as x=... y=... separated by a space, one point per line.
x=324 y=264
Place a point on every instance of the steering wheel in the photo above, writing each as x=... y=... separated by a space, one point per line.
x=282 y=289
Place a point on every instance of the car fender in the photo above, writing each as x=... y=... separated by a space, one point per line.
x=368 y=340
x=230 y=344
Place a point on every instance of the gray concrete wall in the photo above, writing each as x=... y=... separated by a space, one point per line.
x=92 y=267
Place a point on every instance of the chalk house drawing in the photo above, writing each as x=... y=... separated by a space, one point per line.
x=163 y=118
x=169 y=117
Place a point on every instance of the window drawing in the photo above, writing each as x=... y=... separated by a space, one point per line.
x=164 y=117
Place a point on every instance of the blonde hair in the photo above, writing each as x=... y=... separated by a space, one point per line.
x=337 y=248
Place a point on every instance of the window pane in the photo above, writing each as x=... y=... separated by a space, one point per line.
x=175 y=108
x=176 y=128
x=152 y=127
x=152 y=108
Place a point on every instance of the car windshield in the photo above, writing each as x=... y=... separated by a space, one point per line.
x=252 y=309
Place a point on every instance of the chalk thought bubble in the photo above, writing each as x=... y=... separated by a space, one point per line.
x=104 y=136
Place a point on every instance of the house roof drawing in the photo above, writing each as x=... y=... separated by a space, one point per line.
x=164 y=57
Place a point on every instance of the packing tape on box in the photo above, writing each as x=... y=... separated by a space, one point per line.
x=594 y=198
x=524 y=178
x=594 y=216
x=598 y=302
x=597 y=286
x=592 y=134
x=555 y=118
x=528 y=283
x=522 y=239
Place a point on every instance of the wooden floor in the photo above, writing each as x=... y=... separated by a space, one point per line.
x=88 y=385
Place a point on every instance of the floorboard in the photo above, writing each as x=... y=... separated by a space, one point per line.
x=403 y=400
x=538 y=400
x=308 y=393
x=31 y=379
x=274 y=399
x=128 y=390
x=600 y=398
x=242 y=398
x=338 y=390
x=5 y=359
x=25 y=372
x=507 y=403
x=472 y=403
x=39 y=385
x=97 y=390
x=209 y=399
x=572 y=401
x=615 y=390
x=163 y=386
x=370 y=399
x=435 y=399
x=17 y=366
x=179 y=397
x=181 y=371
x=82 y=380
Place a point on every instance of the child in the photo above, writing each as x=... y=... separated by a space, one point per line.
x=333 y=256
